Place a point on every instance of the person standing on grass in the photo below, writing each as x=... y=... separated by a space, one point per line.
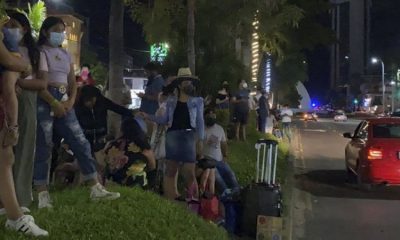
x=16 y=220
x=286 y=115
x=215 y=146
x=262 y=111
x=55 y=113
x=154 y=86
x=25 y=149
x=241 y=110
x=184 y=117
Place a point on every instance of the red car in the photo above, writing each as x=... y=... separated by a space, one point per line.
x=373 y=154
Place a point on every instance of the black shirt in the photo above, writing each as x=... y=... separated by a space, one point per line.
x=181 y=117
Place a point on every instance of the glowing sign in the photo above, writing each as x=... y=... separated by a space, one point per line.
x=158 y=52
x=268 y=74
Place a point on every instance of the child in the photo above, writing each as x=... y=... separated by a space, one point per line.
x=12 y=36
x=128 y=156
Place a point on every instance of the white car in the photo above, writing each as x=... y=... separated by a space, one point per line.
x=340 y=117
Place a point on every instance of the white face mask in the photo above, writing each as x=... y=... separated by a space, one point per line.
x=15 y=34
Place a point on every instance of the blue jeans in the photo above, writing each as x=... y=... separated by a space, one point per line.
x=224 y=177
x=66 y=127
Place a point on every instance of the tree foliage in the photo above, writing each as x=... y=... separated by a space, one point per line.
x=220 y=23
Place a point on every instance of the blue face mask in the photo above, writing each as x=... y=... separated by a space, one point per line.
x=56 y=39
x=14 y=34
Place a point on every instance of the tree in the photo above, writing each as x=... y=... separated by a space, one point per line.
x=37 y=14
x=190 y=34
x=115 y=84
x=218 y=25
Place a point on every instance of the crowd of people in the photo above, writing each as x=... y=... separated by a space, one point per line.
x=47 y=108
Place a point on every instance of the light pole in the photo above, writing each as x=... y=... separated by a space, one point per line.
x=374 y=61
x=393 y=84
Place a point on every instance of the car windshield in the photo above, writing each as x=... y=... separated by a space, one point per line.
x=386 y=130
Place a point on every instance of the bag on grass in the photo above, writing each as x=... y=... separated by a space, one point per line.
x=209 y=207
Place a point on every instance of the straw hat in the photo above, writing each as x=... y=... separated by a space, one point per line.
x=184 y=74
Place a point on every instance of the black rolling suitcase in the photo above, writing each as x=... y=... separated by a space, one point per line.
x=263 y=197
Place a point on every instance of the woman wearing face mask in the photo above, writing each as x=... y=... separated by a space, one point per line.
x=185 y=122
x=24 y=151
x=16 y=220
x=55 y=113
x=13 y=35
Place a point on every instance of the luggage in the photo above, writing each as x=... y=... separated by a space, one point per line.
x=263 y=197
x=233 y=211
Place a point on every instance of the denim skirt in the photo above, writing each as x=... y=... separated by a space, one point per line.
x=180 y=146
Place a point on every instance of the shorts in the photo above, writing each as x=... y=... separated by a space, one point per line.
x=180 y=146
x=240 y=117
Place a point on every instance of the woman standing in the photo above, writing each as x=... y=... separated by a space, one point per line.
x=184 y=118
x=25 y=149
x=55 y=113
x=16 y=220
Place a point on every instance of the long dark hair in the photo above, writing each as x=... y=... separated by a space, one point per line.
x=29 y=42
x=47 y=24
x=132 y=131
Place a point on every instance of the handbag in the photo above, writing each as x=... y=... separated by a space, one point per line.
x=209 y=208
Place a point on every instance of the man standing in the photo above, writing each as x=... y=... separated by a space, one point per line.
x=216 y=147
x=286 y=115
x=155 y=83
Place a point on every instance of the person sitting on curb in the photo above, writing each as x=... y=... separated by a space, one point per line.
x=215 y=147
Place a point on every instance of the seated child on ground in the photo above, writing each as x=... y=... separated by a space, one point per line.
x=130 y=160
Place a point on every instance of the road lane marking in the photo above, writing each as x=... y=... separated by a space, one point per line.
x=314 y=130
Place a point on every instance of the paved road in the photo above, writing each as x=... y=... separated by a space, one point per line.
x=326 y=208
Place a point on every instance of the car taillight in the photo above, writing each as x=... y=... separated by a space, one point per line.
x=374 y=153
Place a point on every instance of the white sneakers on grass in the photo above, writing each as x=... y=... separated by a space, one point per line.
x=44 y=200
x=26 y=224
x=98 y=192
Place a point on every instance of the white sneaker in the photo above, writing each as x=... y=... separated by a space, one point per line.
x=26 y=225
x=98 y=192
x=23 y=210
x=44 y=200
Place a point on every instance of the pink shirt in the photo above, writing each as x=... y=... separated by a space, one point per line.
x=57 y=63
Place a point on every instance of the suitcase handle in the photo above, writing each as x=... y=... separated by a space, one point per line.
x=268 y=155
x=267 y=141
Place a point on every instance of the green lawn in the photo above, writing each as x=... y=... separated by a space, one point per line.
x=138 y=214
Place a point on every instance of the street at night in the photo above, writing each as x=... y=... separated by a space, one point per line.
x=325 y=206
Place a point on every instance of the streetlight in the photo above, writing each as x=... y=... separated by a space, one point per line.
x=375 y=61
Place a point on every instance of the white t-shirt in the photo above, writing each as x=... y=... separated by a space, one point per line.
x=212 y=142
x=288 y=118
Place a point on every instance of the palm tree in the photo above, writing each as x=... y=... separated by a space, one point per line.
x=115 y=84
x=37 y=14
